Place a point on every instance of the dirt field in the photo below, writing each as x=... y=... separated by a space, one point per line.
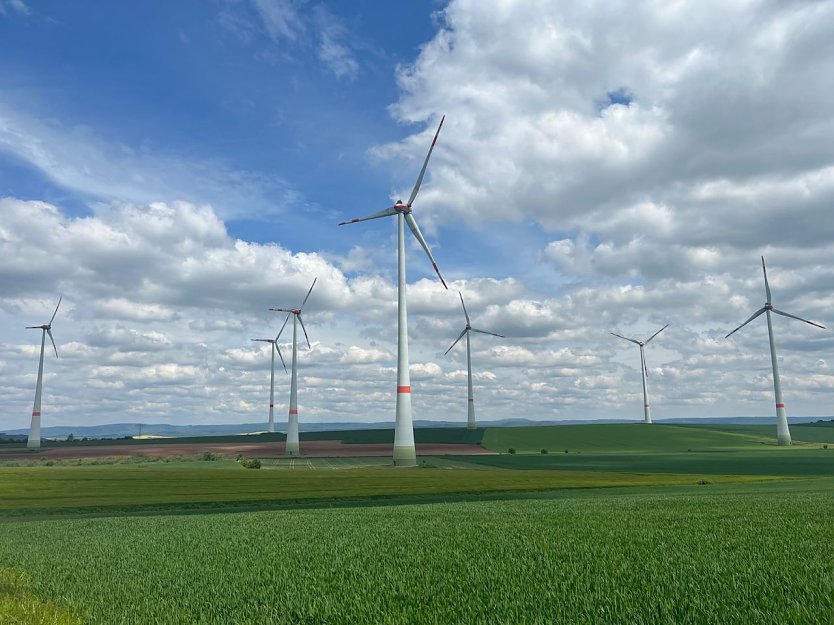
x=253 y=450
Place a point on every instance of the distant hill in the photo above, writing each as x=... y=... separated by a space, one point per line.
x=121 y=430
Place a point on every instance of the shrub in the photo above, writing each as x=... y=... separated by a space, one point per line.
x=511 y=450
x=250 y=463
x=544 y=451
x=209 y=456
x=825 y=446
x=703 y=482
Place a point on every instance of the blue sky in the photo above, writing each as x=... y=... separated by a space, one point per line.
x=176 y=168
x=186 y=79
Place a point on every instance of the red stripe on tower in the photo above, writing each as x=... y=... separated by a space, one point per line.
x=403 y=389
x=293 y=411
x=780 y=405
x=36 y=414
x=471 y=399
x=645 y=405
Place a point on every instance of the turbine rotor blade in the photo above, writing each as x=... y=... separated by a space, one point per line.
x=784 y=314
x=409 y=219
x=49 y=332
x=308 y=293
x=627 y=339
x=263 y=340
x=485 y=332
x=387 y=212
x=464 y=307
x=301 y=321
x=286 y=310
x=425 y=164
x=456 y=341
x=56 y=311
x=767 y=286
x=655 y=334
x=278 y=336
x=278 y=349
x=753 y=316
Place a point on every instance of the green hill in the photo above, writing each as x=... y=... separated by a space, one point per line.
x=625 y=437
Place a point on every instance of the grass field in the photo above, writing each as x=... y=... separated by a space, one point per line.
x=637 y=437
x=728 y=554
x=667 y=524
x=33 y=492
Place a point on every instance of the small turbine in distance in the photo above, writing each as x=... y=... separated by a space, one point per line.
x=470 y=422
x=405 y=454
x=292 y=448
x=783 y=434
x=34 y=440
x=274 y=343
x=644 y=372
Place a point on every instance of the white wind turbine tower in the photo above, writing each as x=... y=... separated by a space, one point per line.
x=644 y=372
x=783 y=434
x=470 y=422
x=274 y=343
x=34 y=441
x=405 y=454
x=292 y=448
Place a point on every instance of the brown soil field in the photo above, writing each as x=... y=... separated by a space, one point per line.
x=318 y=449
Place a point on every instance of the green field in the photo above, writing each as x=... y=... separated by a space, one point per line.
x=721 y=554
x=635 y=524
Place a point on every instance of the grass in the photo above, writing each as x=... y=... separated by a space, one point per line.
x=19 y=605
x=792 y=461
x=629 y=526
x=730 y=554
x=638 y=437
x=32 y=492
x=619 y=437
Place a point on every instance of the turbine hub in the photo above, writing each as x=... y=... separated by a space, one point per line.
x=296 y=311
x=768 y=306
x=402 y=208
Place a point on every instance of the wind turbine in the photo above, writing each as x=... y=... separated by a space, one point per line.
x=34 y=441
x=470 y=422
x=274 y=343
x=405 y=454
x=644 y=372
x=783 y=434
x=292 y=448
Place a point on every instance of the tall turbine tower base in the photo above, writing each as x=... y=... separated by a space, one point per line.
x=783 y=433
x=405 y=454
x=292 y=449
x=34 y=440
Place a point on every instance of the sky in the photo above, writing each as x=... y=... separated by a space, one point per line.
x=175 y=169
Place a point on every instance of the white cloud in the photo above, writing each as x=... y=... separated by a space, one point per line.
x=280 y=17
